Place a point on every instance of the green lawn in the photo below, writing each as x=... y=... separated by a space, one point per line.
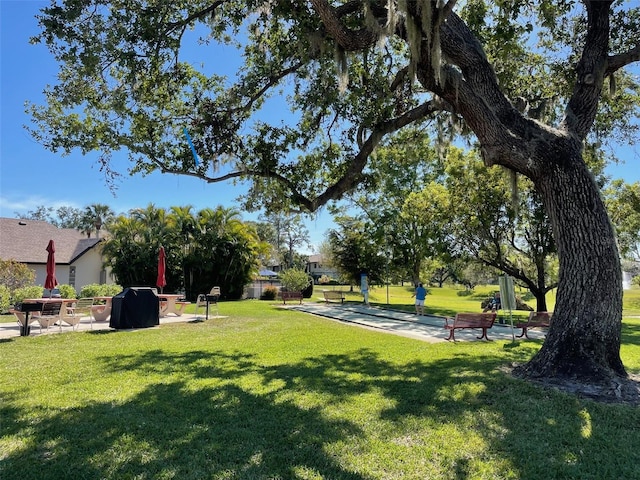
x=449 y=300
x=274 y=394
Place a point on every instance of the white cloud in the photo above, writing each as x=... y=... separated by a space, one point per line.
x=9 y=206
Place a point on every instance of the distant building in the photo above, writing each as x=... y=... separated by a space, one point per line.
x=316 y=267
x=79 y=259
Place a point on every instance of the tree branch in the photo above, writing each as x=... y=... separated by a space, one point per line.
x=194 y=16
x=481 y=90
x=590 y=71
x=345 y=183
x=616 y=62
x=352 y=175
x=349 y=40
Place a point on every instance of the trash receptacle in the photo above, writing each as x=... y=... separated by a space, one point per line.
x=135 y=308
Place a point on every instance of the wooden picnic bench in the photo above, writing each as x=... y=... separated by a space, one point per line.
x=181 y=305
x=290 y=296
x=470 y=320
x=333 y=295
x=535 y=320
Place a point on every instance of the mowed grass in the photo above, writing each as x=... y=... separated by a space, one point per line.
x=447 y=301
x=268 y=393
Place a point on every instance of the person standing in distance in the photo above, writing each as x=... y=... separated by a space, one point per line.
x=421 y=295
x=364 y=287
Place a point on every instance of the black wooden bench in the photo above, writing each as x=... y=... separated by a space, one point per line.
x=333 y=295
x=535 y=320
x=470 y=320
x=290 y=296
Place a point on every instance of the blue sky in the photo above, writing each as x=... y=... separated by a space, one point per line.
x=31 y=176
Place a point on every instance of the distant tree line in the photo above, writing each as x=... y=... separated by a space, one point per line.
x=87 y=220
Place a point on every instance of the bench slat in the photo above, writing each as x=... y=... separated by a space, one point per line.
x=470 y=320
x=535 y=320
x=291 y=296
x=333 y=295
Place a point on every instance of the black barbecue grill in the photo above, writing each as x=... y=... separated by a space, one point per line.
x=27 y=308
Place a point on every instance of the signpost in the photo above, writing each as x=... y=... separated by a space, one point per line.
x=508 y=298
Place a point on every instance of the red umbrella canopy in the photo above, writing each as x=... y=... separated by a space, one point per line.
x=51 y=281
x=161 y=281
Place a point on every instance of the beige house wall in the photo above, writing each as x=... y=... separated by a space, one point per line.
x=88 y=270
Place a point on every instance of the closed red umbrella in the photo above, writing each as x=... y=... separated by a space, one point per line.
x=161 y=281
x=51 y=281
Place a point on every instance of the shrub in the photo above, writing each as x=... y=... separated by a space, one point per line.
x=269 y=293
x=100 y=290
x=527 y=296
x=520 y=305
x=307 y=292
x=5 y=299
x=15 y=275
x=295 y=280
x=19 y=294
x=67 y=291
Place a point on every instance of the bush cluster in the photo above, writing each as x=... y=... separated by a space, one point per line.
x=96 y=290
x=295 y=280
x=32 y=291
x=5 y=299
x=269 y=293
x=67 y=291
x=520 y=305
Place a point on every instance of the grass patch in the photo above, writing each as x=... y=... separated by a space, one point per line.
x=271 y=393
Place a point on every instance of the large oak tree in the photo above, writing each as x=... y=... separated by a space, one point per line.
x=353 y=72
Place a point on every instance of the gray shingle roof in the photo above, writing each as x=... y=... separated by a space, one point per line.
x=26 y=241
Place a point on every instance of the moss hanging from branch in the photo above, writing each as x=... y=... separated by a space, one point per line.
x=427 y=28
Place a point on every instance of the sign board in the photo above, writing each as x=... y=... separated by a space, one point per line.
x=507 y=293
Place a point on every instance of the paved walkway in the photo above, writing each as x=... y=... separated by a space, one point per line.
x=426 y=328
x=9 y=330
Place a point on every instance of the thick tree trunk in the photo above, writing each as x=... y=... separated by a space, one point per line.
x=584 y=339
x=541 y=292
x=541 y=300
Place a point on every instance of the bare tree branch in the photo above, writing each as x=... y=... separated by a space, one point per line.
x=590 y=71
x=182 y=24
x=616 y=62
x=349 y=40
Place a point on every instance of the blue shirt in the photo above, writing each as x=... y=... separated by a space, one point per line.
x=421 y=293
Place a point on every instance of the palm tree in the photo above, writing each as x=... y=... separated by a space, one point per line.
x=225 y=253
x=94 y=217
x=182 y=224
x=122 y=250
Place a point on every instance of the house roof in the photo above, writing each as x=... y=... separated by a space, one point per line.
x=26 y=241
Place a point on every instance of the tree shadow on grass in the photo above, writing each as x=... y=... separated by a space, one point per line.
x=630 y=334
x=179 y=429
x=220 y=415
